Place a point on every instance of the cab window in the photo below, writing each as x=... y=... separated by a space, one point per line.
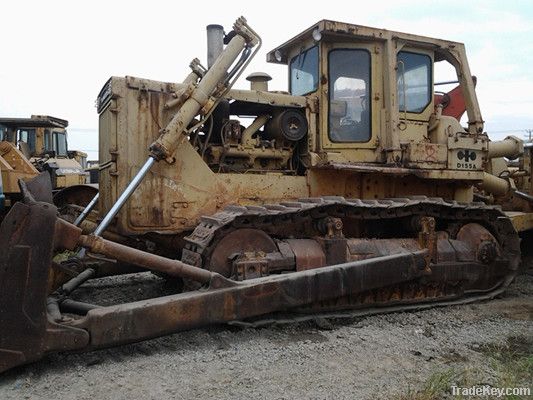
x=414 y=81
x=27 y=136
x=83 y=162
x=349 y=90
x=60 y=143
x=48 y=140
x=304 y=72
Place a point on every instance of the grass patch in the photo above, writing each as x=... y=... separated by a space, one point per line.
x=512 y=362
x=511 y=365
x=438 y=383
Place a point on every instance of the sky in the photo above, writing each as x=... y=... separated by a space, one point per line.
x=58 y=54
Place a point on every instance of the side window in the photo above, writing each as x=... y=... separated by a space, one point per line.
x=2 y=132
x=304 y=72
x=414 y=81
x=22 y=135
x=349 y=90
x=61 y=143
x=447 y=91
x=27 y=136
x=47 y=140
x=83 y=162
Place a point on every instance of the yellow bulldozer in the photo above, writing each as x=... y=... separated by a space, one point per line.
x=356 y=190
x=29 y=146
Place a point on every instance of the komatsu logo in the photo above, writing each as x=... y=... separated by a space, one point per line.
x=466 y=159
x=466 y=155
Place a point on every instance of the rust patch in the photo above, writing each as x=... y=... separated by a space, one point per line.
x=308 y=253
x=238 y=242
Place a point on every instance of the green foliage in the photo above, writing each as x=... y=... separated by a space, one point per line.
x=511 y=363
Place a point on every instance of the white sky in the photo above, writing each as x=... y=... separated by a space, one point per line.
x=58 y=54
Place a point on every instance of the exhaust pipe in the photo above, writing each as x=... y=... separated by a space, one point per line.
x=215 y=43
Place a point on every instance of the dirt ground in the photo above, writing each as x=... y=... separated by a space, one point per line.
x=414 y=355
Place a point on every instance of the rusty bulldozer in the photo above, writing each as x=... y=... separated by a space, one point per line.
x=356 y=190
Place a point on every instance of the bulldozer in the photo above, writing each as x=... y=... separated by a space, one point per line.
x=13 y=166
x=29 y=146
x=357 y=190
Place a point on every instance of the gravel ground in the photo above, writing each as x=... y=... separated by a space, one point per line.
x=365 y=358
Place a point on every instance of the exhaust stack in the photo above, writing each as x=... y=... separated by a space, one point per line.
x=215 y=43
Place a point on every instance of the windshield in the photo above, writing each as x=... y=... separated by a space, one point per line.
x=304 y=72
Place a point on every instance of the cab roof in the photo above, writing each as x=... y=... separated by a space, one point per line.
x=342 y=31
x=36 y=121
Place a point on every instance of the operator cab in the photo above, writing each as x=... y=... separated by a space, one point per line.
x=36 y=136
x=376 y=91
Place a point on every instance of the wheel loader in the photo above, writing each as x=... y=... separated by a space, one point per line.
x=357 y=190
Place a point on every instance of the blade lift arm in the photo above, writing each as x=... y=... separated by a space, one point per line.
x=204 y=90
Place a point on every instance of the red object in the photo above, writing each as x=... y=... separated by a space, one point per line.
x=453 y=103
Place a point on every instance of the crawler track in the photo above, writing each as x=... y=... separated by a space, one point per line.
x=369 y=219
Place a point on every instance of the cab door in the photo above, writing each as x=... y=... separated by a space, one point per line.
x=351 y=90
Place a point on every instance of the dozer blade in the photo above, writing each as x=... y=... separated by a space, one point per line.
x=40 y=187
x=28 y=236
x=31 y=232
